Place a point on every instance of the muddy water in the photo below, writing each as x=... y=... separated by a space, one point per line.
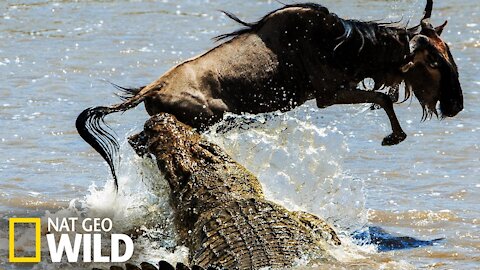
x=55 y=59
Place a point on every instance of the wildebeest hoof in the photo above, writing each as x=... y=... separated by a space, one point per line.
x=394 y=139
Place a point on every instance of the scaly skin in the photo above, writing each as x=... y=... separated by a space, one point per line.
x=220 y=211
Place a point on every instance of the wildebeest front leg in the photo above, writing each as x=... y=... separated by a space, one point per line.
x=359 y=96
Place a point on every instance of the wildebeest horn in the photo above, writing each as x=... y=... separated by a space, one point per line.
x=425 y=22
x=428 y=10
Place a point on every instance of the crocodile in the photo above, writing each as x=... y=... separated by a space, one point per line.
x=220 y=212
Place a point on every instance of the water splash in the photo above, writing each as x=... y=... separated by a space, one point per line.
x=298 y=160
x=140 y=208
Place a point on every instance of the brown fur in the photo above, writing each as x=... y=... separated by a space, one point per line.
x=294 y=54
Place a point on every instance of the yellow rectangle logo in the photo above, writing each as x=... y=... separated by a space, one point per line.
x=11 y=242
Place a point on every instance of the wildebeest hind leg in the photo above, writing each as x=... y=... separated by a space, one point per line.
x=359 y=96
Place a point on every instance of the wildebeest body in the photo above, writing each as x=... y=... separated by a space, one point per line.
x=270 y=69
x=294 y=54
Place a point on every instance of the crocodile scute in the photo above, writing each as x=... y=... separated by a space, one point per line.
x=220 y=213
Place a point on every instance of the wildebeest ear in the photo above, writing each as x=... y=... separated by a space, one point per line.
x=439 y=29
x=405 y=68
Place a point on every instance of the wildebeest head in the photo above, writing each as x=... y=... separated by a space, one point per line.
x=431 y=71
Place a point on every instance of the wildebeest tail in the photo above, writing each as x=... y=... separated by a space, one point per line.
x=127 y=93
x=92 y=128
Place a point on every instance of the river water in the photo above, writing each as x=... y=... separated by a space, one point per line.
x=57 y=56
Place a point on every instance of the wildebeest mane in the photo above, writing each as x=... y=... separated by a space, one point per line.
x=255 y=25
x=249 y=26
x=367 y=30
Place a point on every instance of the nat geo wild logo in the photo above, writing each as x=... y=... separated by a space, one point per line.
x=67 y=238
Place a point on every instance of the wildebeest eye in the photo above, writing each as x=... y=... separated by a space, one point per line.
x=433 y=64
x=432 y=61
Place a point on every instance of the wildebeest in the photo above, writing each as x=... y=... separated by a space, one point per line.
x=294 y=54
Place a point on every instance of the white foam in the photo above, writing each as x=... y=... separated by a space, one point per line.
x=142 y=202
x=298 y=161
